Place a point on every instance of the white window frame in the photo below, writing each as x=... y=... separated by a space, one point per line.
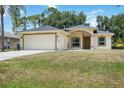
x=104 y=41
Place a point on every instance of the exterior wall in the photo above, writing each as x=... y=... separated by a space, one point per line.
x=108 y=43
x=21 y=42
x=0 y=43
x=92 y=41
x=13 y=42
x=48 y=38
x=62 y=41
x=95 y=42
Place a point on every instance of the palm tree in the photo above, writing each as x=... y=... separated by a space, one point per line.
x=15 y=13
x=2 y=26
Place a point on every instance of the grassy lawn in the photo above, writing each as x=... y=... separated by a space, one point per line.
x=65 y=69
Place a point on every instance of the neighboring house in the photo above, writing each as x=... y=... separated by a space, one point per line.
x=10 y=40
x=77 y=37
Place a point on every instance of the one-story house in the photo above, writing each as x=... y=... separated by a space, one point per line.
x=76 y=37
x=10 y=40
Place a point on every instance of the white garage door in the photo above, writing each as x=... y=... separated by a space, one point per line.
x=42 y=41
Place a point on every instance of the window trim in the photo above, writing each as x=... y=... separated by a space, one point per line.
x=75 y=42
x=102 y=41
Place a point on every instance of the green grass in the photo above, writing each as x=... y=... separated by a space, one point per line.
x=65 y=69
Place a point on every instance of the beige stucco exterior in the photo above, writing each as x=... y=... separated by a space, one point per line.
x=60 y=39
x=9 y=42
x=108 y=42
x=44 y=40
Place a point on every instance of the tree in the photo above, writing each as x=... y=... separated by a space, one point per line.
x=114 y=24
x=99 y=22
x=22 y=24
x=64 y=19
x=117 y=26
x=15 y=13
x=103 y=23
x=106 y=23
x=35 y=20
x=55 y=18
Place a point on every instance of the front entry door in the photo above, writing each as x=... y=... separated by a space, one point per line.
x=86 y=42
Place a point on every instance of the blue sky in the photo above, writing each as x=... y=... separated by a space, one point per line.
x=90 y=10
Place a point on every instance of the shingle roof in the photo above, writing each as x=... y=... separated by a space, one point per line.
x=8 y=34
x=43 y=28
x=104 y=32
x=79 y=26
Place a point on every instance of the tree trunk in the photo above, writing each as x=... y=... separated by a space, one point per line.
x=2 y=26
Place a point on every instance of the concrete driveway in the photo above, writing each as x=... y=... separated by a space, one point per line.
x=13 y=54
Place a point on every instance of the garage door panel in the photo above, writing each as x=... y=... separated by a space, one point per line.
x=39 y=41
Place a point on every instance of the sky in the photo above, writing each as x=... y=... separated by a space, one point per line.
x=90 y=10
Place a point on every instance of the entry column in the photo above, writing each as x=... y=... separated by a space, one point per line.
x=81 y=41
x=92 y=42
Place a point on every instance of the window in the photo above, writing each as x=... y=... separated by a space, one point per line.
x=76 y=42
x=102 y=41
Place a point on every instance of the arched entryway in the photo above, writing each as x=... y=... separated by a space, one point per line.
x=80 y=39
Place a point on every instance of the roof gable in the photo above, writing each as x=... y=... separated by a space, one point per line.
x=43 y=28
x=8 y=34
x=79 y=27
x=104 y=32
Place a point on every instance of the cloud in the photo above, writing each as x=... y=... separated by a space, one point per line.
x=92 y=22
x=6 y=12
x=22 y=12
x=91 y=17
x=96 y=11
x=54 y=6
